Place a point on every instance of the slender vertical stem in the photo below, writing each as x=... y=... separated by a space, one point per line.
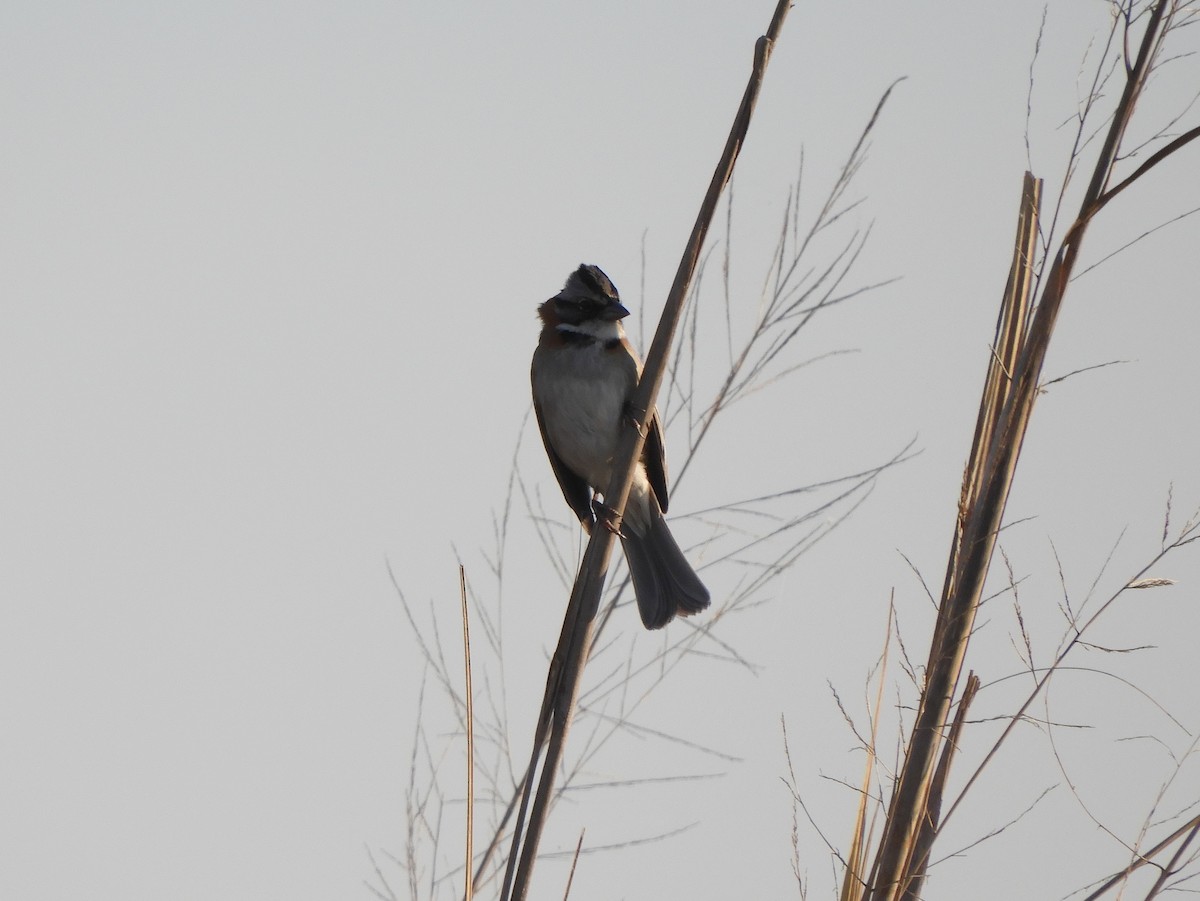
x=562 y=685
x=468 y=870
x=980 y=520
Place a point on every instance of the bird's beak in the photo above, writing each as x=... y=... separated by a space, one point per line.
x=614 y=311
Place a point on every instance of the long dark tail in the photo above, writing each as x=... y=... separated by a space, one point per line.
x=663 y=581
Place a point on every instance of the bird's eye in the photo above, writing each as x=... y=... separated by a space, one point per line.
x=578 y=306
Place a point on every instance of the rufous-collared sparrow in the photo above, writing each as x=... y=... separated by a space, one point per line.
x=584 y=374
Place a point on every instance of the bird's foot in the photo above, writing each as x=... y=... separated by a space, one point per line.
x=607 y=517
x=632 y=416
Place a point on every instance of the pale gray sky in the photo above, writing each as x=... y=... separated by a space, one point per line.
x=269 y=273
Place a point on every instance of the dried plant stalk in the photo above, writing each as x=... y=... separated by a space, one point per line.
x=1007 y=404
x=562 y=683
x=854 y=883
x=897 y=858
x=937 y=791
x=469 y=694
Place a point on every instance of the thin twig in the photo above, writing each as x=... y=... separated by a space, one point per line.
x=574 y=863
x=468 y=870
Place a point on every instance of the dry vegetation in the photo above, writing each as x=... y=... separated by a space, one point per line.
x=902 y=802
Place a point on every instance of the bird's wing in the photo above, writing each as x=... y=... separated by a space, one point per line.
x=574 y=488
x=654 y=458
x=654 y=455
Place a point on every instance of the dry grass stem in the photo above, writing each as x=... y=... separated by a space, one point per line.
x=1022 y=339
x=854 y=879
x=985 y=488
x=1187 y=832
x=574 y=863
x=757 y=538
x=562 y=683
x=468 y=867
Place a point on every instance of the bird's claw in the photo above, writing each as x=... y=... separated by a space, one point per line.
x=607 y=517
x=632 y=418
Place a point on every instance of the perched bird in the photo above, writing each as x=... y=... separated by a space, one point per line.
x=584 y=374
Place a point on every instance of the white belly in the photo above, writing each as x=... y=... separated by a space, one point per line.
x=583 y=416
x=583 y=399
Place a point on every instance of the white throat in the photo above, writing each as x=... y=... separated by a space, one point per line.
x=602 y=330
